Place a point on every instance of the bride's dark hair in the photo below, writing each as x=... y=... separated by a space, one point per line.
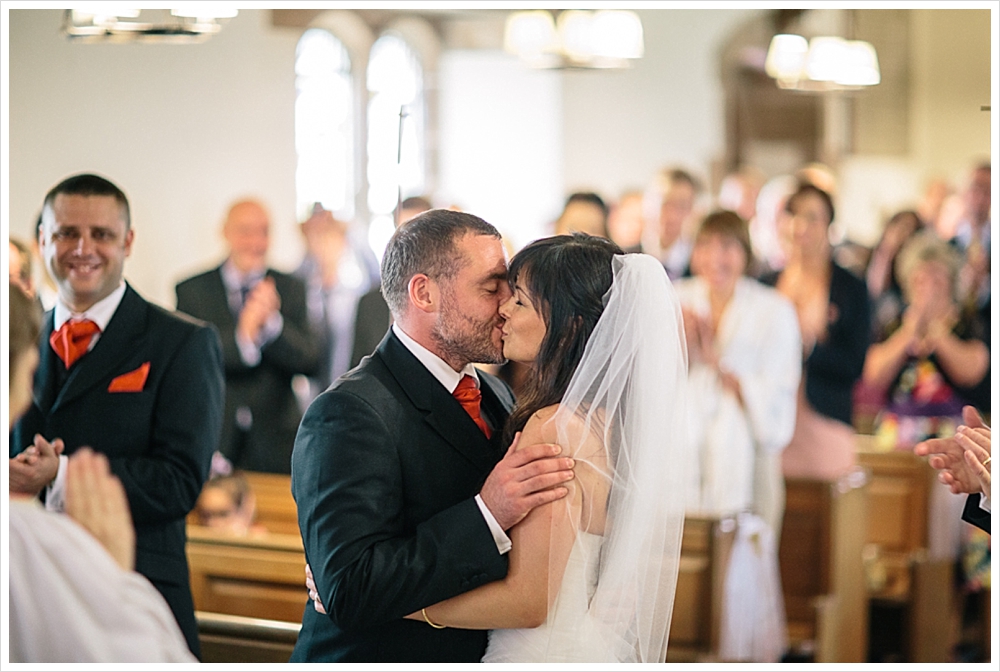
x=566 y=278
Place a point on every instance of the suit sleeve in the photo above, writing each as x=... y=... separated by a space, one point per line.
x=296 y=348
x=975 y=515
x=348 y=485
x=164 y=481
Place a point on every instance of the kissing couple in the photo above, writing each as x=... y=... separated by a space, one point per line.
x=443 y=523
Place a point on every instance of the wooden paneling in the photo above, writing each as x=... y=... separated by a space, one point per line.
x=822 y=570
x=694 y=627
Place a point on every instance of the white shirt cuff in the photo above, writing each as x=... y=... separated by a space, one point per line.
x=499 y=536
x=249 y=351
x=55 y=492
x=984 y=503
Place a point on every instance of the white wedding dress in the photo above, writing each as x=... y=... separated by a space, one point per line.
x=616 y=596
x=568 y=635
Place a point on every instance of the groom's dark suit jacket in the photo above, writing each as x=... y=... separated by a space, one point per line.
x=158 y=434
x=384 y=473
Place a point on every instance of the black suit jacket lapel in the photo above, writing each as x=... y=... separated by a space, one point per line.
x=117 y=342
x=45 y=376
x=445 y=415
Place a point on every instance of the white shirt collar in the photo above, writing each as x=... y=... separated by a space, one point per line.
x=234 y=279
x=101 y=312
x=440 y=369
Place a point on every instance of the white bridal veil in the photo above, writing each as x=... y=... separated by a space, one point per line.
x=629 y=390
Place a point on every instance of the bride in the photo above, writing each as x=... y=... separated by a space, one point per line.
x=592 y=576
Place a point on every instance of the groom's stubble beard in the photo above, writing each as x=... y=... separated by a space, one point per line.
x=462 y=338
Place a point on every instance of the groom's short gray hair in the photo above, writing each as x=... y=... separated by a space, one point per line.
x=426 y=244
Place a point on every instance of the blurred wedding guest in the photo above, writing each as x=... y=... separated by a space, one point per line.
x=972 y=237
x=833 y=313
x=585 y=212
x=820 y=176
x=743 y=348
x=932 y=202
x=930 y=358
x=44 y=286
x=884 y=289
x=227 y=503
x=625 y=221
x=669 y=206
x=769 y=217
x=738 y=192
x=373 y=318
x=337 y=275
x=20 y=266
x=84 y=559
x=745 y=366
x=262 y=318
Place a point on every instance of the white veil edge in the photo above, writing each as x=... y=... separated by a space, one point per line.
x=630 y=389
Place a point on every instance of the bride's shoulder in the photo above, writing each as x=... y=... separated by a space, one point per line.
x=542 y=427
x=538 y=428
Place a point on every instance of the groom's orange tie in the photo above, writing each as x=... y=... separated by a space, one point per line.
x=469 y=396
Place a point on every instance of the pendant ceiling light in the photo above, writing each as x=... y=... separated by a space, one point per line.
x=821 y=64
x=575 y=38
x=113 y=22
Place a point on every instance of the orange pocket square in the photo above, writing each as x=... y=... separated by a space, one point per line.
x=133 y=381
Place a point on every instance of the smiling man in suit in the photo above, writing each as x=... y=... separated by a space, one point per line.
x=403 y=486
x=263 y=321
x=127 y=378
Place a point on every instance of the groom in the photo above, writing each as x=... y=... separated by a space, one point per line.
x=399 y=470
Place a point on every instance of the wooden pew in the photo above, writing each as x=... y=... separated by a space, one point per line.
x=694 y=626
x=901 y=572
x=237 y=639
x=259 y=576
x=822 y=570
x=275 y=507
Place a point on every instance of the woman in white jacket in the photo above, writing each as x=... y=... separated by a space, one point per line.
x=745 y=363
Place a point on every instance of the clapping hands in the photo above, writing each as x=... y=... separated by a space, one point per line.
x=964 y=459
x=35 y=467
x=262 y=302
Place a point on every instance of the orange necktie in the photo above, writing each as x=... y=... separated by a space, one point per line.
x=72 y=339
x=469 y=396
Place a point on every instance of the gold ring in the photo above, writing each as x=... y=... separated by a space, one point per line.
x=987 y=460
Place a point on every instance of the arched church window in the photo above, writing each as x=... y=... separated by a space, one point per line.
x=396 y=124
x=324 y=125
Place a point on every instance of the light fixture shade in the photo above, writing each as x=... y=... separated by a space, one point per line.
x=617 y=34
x=575 y=39
x=530 y=35
x=786 y=57
x=860 y=65
x=204 y=10
x=576 y=33
x=826 y=59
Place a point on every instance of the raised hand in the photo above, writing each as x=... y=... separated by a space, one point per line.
x=95 y=498
x=36 y=466
x=262 y=301
x=524 y=479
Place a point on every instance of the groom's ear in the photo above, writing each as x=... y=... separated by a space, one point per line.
x=425 y=295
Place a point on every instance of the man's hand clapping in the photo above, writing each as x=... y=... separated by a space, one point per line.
x=35 y=467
